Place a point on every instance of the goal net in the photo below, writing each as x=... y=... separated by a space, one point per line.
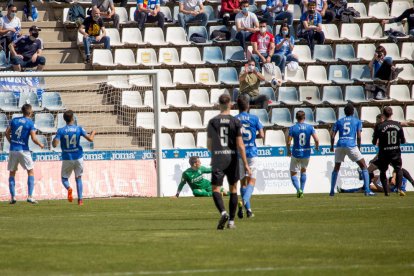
x=118 y=105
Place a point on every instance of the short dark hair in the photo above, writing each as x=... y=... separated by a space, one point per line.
x=68 y=116
x=300 y=115
x=311 y=3
x=387 y=111
x=380 y=116
x=244 y=2
x=243 y=103
x=381 y=49
x=10 y=6
x=224 y=99
x=349 y=109
x=284 y=25
x=262 y=21
x=193 y=160
x=26 y=109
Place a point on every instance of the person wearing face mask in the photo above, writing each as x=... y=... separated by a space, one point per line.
x=278 y=10
x=246 y=24
x=26 y=51
x=10 y=27
x=93 y=32
x=284 y=46
x=311 y=26
x=249 y=80
x=229 y=10
x=263 y=43
x=322 y=8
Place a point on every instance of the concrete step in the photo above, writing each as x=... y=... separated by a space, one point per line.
x=82 y=99
x=66 y=66
x=60 y=45
x=113 y=142
x=97 y=119
x=42 y=24
x=51 y=35
x=57 y=56
x=92 y=108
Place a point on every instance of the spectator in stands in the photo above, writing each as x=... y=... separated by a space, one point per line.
x=107 y=11
x=25 y=51
x=28 y=7
x=229 y=10
x=278 y=10
x=93 y=32
x=190 y=11
x=148 y=11
x=321 y=8
x=284 y=44
x=263 y=44
x=250 y=79
x=311 y=26
x=10 y=27
x=407 y=14
x=246 y=24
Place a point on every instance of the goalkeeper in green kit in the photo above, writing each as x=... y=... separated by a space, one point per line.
x=200 y=186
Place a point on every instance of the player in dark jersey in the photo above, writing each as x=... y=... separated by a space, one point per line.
x=389 y=135
x=224 y=140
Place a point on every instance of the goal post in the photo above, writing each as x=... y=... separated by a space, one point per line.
x=100 y=100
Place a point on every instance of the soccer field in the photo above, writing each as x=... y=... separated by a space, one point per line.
x=167 y=236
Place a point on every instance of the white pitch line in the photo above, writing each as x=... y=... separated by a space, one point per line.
x=253 y=269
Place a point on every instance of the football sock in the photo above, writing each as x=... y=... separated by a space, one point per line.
x=248 y=195
x=12 y=185
x=65 y=182
x=407 y=176
x=79 y=187
x=384 y=182
x=295 y=182
x=218 y=200
x=365 y=177
x=333 y=181
x=302 y=181
x=398 y=179
x=233 y=205
x=30 y=185
x=242 y=191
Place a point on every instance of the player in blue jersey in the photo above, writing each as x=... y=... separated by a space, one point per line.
x=349 y=142
x=18 y=136
x=301 y=134
x=72 y=153
x=250 y=126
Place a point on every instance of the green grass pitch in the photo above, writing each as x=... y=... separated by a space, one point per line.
x=317 y=235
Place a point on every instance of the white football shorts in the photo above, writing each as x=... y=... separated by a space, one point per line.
x=24 y=158
x=68 y=166
x=252 y=164
x=296 y=164
x=353 y=153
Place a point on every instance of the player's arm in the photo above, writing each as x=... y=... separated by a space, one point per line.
x=375 y=136
x=402 y=137
x=34 y=139
x=209 y=144
x=261 y=133
x=316 y=139
x=180 y=186
x=359 y=139
x=91 y=136
x=8 y=134
x=242 y=152
x=55 y=141
x=288 y=143
x=205 y=170
x=332 y=133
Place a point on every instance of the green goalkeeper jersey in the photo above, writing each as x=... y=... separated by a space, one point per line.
x=195 y=179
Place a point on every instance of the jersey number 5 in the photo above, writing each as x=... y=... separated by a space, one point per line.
x=347 y=129
x=71 y=141
x=224 y=136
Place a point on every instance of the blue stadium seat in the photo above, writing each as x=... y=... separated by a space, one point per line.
x=201 y=30
x=325 y=115
x=355 y=94
x=263 y=116
x=281 y=117
x=339 y=74
x=361 y=73
x=310 y=118
x=9 y=102
x=333 y=95
x=228 y=75
x=4 y=64
x=30 y=98
x=270 y=93
x=235 y=54
x=4 y=122
x=345 y=52
x=211 y=15
x=52 y=101
x=35 y=148
x=213 y=55
x=289 y=96
x=45 y=122
x=324 y=53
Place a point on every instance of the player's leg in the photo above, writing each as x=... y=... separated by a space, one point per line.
x=78 y=168
x=217 y=176
x=26 y=162
x=339 y=158
x=232 y=173
x=12 y=166
x=304 y=165
x=397 y=165
x=67 y=168
x=202 y=193
x=294 y=168
x=355 y=155
x=243 y=188
x=407 y=176
x=384 y=181
x=250 y=187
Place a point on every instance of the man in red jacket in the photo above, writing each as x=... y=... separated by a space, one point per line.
x=229 y=9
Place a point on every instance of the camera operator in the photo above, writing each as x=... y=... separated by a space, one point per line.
x=250 y=79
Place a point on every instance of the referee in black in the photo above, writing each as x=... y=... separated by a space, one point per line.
x=224 y=140
x=389 y=135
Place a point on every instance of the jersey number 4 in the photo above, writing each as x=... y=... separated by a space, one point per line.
x=70 y=141
x=18 y=132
